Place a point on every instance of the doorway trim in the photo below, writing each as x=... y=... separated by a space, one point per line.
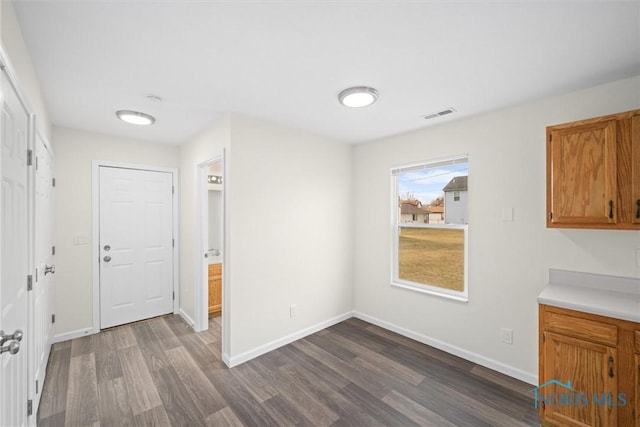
x=201 y=294
x=95 y=230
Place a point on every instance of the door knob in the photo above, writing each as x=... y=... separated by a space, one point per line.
x=49 y=269
x=107 y=258
x=16 y=336
x=12 y=348
x=107 y=247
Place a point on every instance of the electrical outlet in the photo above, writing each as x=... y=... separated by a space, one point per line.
x=507 y=335
x=292 y=310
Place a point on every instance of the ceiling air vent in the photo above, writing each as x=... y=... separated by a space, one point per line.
x=440 y=113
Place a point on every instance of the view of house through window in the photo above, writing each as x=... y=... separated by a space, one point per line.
x=430 y=226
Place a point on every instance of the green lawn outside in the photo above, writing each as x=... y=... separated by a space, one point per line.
x=432 y=256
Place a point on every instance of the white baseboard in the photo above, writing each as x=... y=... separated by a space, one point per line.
x=258 y=351
x=452 y=349
x=74 y=334
x=226 y=359
x=187 y=319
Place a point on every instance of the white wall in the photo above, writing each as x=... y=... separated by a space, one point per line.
x=204 y=146
x=289 y=204
x=74 y=152
x=508 y=261
x=14 y=46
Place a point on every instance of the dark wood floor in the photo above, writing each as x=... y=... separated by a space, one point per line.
x=159 y=372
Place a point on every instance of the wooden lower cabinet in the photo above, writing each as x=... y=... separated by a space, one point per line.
x=215 y=289
x=589 y=370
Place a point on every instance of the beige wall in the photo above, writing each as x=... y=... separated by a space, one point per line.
x=74 y=152
x=14 y=46
x=508 y=261
x=289 y=204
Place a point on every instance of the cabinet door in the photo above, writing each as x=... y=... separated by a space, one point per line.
x=215 y=289
x=635 y=168
x=211 y=286
x=592 y=372
x=582 y=174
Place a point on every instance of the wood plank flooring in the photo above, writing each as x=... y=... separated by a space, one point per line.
x=159 y=372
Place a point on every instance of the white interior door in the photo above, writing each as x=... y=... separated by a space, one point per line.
x=43 y=292
x=13 y=255
x=136 y=245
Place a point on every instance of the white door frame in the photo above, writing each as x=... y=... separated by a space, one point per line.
x=95 y=230
x=201 y=293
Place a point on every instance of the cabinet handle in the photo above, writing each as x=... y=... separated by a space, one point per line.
x=610 y=209
x=638 y=209
x=611 y=366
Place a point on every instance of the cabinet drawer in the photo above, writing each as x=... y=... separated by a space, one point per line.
x=590 y=330
x=638 y=349
x=215 y=269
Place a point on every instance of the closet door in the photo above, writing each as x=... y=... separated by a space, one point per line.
x=43 y=293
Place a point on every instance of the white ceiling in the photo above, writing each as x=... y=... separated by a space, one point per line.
x=286 y=62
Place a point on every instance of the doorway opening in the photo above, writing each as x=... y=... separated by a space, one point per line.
x=210 y=232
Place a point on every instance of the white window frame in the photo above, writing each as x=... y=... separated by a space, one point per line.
x=396 y=224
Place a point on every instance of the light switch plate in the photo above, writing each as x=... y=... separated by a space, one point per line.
x=81 y=239
x=507 y=214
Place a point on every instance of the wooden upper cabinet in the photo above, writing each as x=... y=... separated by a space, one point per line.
x=593 y=173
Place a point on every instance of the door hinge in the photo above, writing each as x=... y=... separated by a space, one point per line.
x=550 y=215
x=37 y=390
x=173 y=243
x=173 y=190
x=36 y=162
x=53 y=182
x=29 y=282
x=53 y=250
x=36 y=275
x=29 y=157
x=550 y=137
x=29 y=407
x=543 y=338
x=174 y=295
x=53 y=318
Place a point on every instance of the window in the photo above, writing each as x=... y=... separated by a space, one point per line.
x=431 y=257
x=414 y=217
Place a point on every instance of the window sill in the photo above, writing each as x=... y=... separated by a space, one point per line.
x=459 y=298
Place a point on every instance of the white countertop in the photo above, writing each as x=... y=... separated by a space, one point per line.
x=611 y=296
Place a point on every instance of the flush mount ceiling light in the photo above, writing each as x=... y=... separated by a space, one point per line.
x=359 y=96
x=135 y=117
